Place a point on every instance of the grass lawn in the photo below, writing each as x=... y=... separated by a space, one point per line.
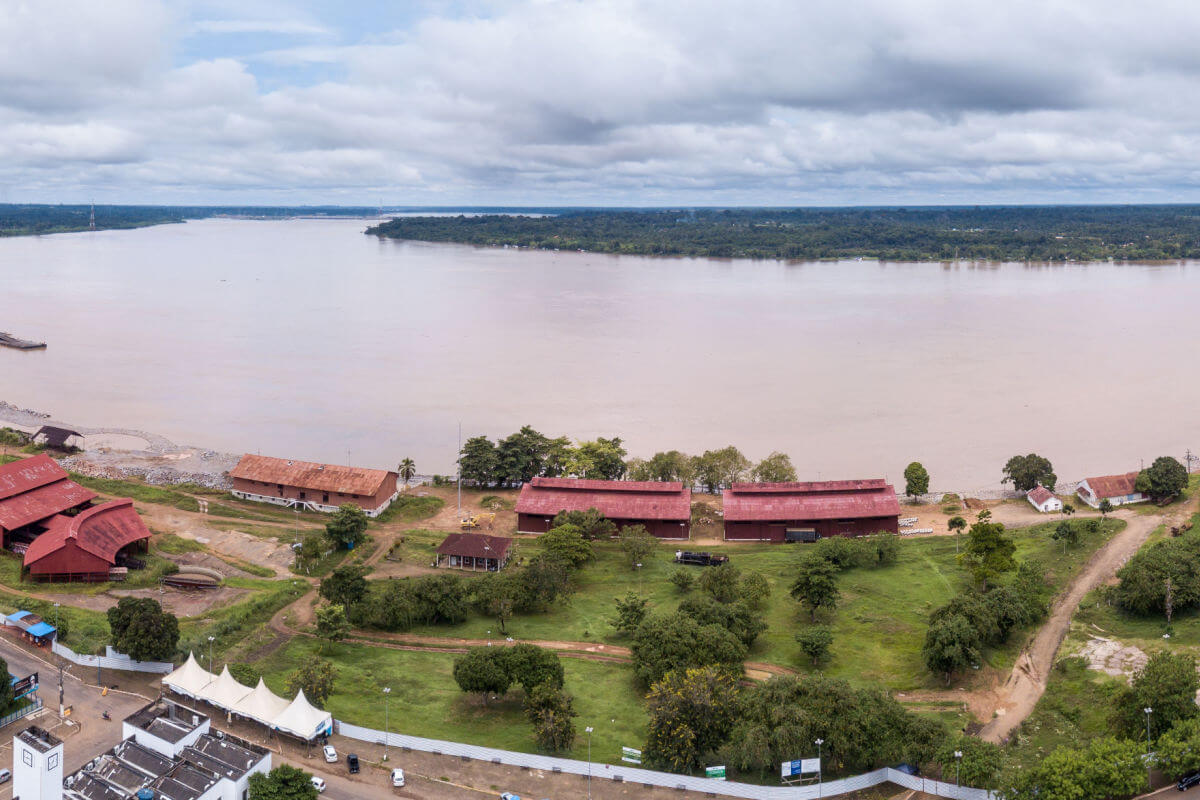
x=233 y=627
x=879 y=627
x=425 y=700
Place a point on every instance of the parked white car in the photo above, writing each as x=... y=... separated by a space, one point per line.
x=397 y=777
x=331 y=756
x=318 y=784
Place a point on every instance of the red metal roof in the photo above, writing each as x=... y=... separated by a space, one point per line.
x=794 y=502
x=1039 y=494
x=100 y=530
x=474 y=545
x=308 y=475
x=43 y=502
x=29 y=473
x=546 y=497
x=1113 y=485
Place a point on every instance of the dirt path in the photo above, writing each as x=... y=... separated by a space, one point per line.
x=1017 y=697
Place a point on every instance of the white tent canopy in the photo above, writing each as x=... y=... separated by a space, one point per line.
x=261 y=705
x=190 y=679
x=301 y=718
x=225 y=691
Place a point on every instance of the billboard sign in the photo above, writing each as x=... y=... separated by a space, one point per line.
x=631 y=755
x=24 y=686
x=716 y=773
x=802 y=766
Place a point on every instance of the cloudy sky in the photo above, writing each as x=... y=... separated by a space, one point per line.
x=613 y=102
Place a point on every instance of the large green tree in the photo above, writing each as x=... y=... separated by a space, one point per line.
x=1162 y=578
x=1026 y=472
x=477 y=461
x=591 y=523
x=631 y=611
x=1163 y=480
x=285 y=782
x=816 y=585
x=1105 y=768
x=691 y=714
x=988 y=553
x=567 y=544
x=332 y=624
x=346 y=585
x=916 y=479
x=979 y=765
x=601 y=459
x=521 y=456
x=551 y=711
x=775 y=468
x=667 y=642
x=142 y=630
x=1177 y=752
x=529 y=665
x=722 y=582
x=315 y=677
x=482 y=670
x=815 y=641
x=1167 y=685
x=951 y=644
x=347 y=526
x=407 y=470
x=638 y=544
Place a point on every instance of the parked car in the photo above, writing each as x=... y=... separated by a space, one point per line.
x=1186 y=782
x=331 y=756
x=510 y=796
x=352 y=763
x=397 y=777
x=5 y=775
x=318 y=784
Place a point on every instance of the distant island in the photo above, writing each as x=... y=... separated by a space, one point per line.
x=37 y=219
x=1016 y=233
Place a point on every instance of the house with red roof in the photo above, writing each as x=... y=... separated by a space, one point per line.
x=54 y=522
x=313 y=486
x=474 y=551
x=665 y=508
x=1043 y=499
x=1119 y=490
x=806 y=511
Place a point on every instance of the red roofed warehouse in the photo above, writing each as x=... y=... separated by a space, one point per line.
x=317 y=487
x=1117 y=489
x=51 y=519
x=664 y=508
x=474 y=551
x=797 y=512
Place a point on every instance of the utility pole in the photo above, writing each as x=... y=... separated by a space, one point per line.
x=458 y=461
x=1148 y=711
x=588 y=731
x=820 y=770
x=387 y=690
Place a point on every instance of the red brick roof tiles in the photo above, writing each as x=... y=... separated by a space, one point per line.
x=308 y=475
x=634 y=500
x=794 y=502
x=1113 y=485
x=1039 y=494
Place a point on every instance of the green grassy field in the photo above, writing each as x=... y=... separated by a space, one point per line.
x=425 y=701
x=878 y=629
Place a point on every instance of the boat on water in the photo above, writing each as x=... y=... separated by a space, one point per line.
x=8 y=340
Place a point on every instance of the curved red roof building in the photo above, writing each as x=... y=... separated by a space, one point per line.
x=86 y=546
x=664 y=508
x=801 y=511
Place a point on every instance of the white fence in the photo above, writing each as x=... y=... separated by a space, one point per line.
x=665 y=779
x=113 y=660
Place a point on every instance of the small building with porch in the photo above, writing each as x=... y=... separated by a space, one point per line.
x=1043 y=499
x=312 y=486
x=807 y=511
x=31 y=628
x=665 y=508
x=477 y=552
x=1119 y=490
x=58 y=438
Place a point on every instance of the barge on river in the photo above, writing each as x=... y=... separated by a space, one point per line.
x=8 y=340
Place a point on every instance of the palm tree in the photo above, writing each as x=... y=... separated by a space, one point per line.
x=407 y=470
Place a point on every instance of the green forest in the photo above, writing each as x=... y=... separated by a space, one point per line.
x=29 y=220
x=1018 y=233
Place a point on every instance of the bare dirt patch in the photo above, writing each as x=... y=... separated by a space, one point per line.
x=178 y=602
x=265 y=551
x=1111 y=657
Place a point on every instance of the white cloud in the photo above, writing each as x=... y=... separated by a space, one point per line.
x=611 y=101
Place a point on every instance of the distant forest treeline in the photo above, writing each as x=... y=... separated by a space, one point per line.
x=26 y=220
x=1055 y=233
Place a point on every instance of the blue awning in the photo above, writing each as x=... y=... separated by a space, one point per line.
x=40 y=630
x=18 y=615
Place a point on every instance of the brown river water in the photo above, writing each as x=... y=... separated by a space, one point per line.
x=307 y=339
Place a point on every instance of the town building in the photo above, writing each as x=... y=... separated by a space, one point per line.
x=1119 y=490
x=37 y=765
x=799 y=512
x=168 y=752
x=1043 y=499
x=31 y=628
x=52 y=522
x=665 y=508
x=316 y=487
x=474 y=551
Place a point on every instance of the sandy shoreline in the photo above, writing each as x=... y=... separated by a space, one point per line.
x=129 y=453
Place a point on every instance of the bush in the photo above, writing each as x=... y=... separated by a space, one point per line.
x=683 y=579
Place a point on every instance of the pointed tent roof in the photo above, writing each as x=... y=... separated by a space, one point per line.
x=261 y=705
x=301 y=718
x=225 y=691
x=190 y=678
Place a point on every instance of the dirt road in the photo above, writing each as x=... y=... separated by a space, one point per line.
x=1025 y=685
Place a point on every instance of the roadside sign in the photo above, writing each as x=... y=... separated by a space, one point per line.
x=810 y=765
x=803 y=766
x=631 y=755
x=716 y=773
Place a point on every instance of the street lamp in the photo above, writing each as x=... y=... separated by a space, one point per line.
x=1148 y=711
x=957 y=767
x=387 y=690
x=588 y=731
x=210 y=663
x=818 y=743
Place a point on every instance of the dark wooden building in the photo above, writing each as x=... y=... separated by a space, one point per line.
x=664 y=508
x=779 y=512
x=474 y=551
x=317 y=487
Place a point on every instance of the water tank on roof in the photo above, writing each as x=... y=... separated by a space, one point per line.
x=145 y=793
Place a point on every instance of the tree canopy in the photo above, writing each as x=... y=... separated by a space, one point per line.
x=1026 y=472
x=692 y=713
x=285 y=782
x=916 y=479
x=142 y=630
x=348 y=525
x=667 y=642
x=1163 y=480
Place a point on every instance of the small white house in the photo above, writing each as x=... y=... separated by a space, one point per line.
x=1043 y=499
x=1117 y=489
